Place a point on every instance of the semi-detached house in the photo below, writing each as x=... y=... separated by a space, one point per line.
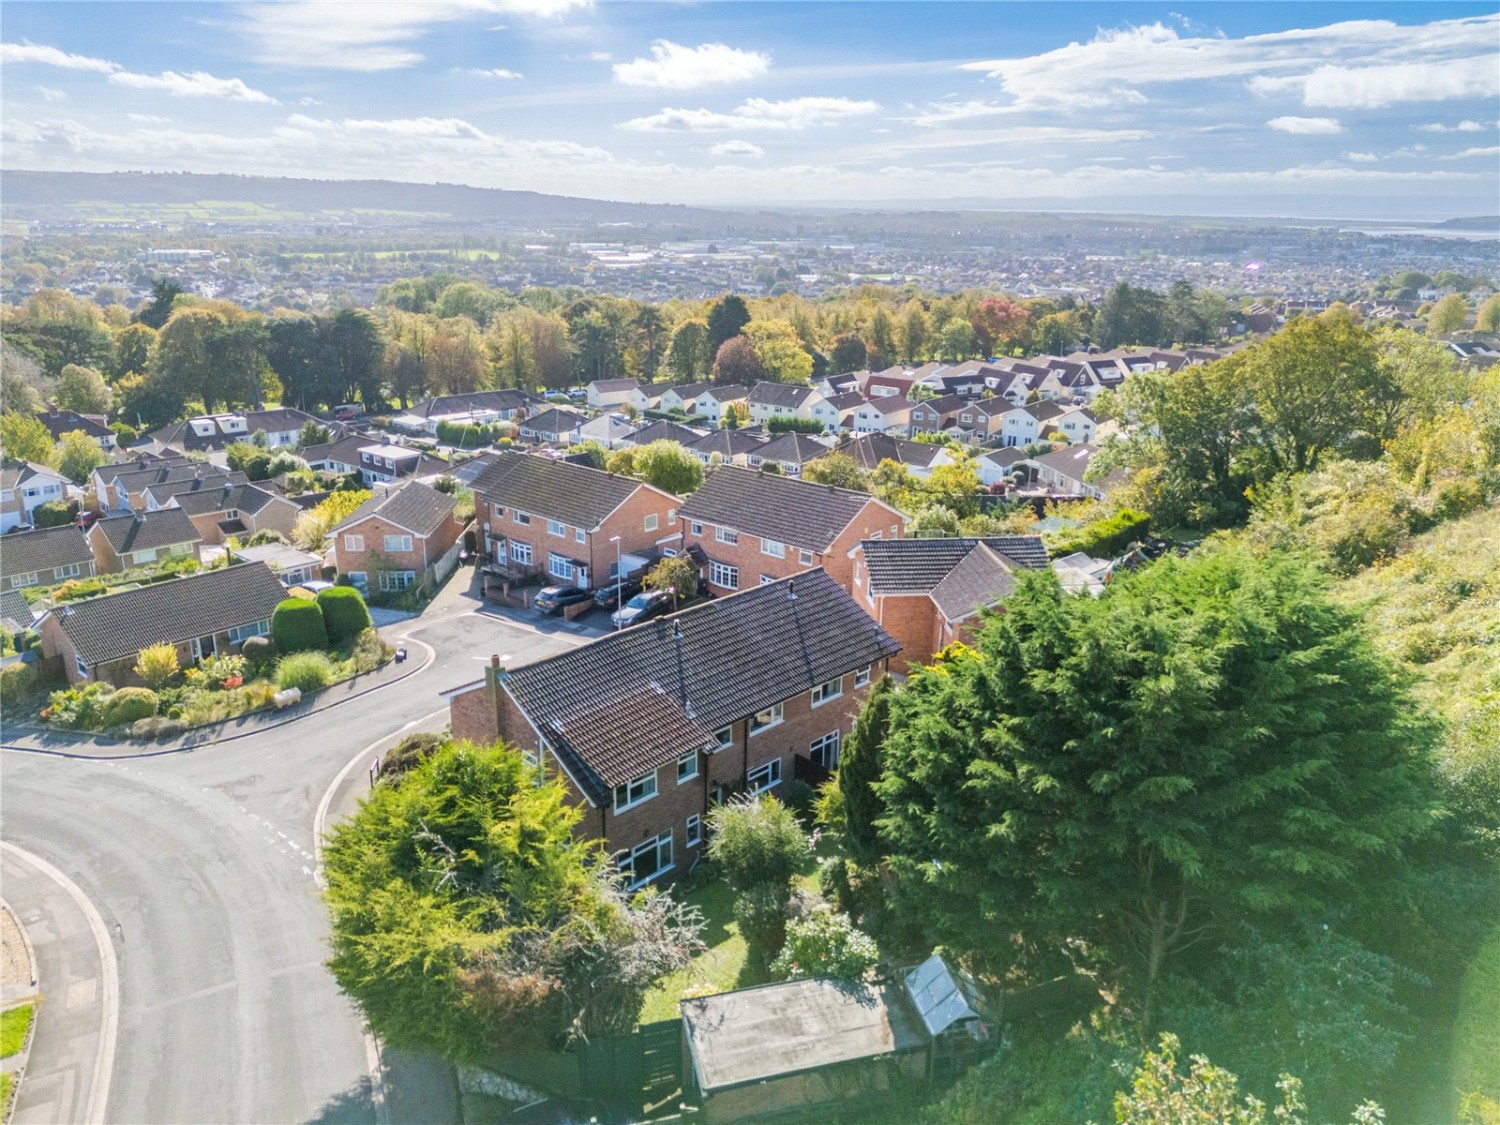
x=652 y=726
x=397 y=539
x=25 y=487
x=754 y=528
x=44 y=557
x=142 y=539
x=569 y=522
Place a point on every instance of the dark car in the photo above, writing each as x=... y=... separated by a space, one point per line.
x=616 y=594
x=552 y=599
x=643 y=607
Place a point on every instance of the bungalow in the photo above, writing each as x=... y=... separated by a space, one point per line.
x=790 y=452
x=404 y=535
x=44 y=557
x=141 y=539
x=477 y=408
x=1063 y=471
x=662 y=430
x=25 y=487
x=555 y=425
x=122 y=488
x=200 y=614
x=573 y=523
x=998 y=465
x=282 y=425
x=604 y=393
x=734 y=447
x=291 y=566
x=648 y=729
x=222 y=510
x=920 y=457
x=781 y=400
x=610 y=430
x=59 y=422
x=928 y=593
x=759 y=527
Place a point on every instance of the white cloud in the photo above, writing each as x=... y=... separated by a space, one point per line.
x=1488 y=150
x=736 y=148
x=330 y=35
x=1361 y=157
x=1374 y=87
x=1461 y=127
x=149 y=119
x=600 y=56
x=675 y=67
x=1306 y=126
x=493 y=72
x=195 y=85
x=756 y=113
x=51 y=56
x=52 y=93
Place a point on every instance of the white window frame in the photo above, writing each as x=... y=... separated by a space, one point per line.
x=696 y=527
x=558 y=528
x=827 y=691
x=83 y=669
x=523 y=518
x=775 y=715
x=688 y=761
x=765 y=777
x=694 y=834
x=398 y=543
x=724 y=737
x=722 y=574
x=560 y=566
x=395 y=581
x=773 y=548
x=726 y=534
x=141 y=558
x=862 y=677
x=820 y=745
x=253 y=629
x=662 y=845
x=805 y=557
x=18 y=581
x=646 y=786
x=499 y=511
x=652 y=522
x=579 y=536
x=766 y=580
x=520 y=552
x=354 y=542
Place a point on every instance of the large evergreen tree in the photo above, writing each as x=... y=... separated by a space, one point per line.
x=726 y=320
x=860 y=767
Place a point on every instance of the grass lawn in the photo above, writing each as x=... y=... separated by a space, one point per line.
x=13 y=1027
x=1476 y=1036
x=718 y=968
x=6 y=1081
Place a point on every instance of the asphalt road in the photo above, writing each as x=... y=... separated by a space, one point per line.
x=202 y=867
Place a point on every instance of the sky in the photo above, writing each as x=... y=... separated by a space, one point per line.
x=1338 y=110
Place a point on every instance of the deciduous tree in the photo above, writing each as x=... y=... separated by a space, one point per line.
x=23 y=438
x=667 y=465
x=77 y=455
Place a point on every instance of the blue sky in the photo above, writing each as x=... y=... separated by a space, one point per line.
x=1319 y=109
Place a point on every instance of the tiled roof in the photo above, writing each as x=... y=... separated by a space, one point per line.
x=981 y=578
x=140 y=479
x=214 y=601
x=662 y=430
x=13 y=473
x=280 y=419
x=1072 y=462
x=868 y=450
x=15 y=614
x=59 y=422
x=732 y=392
x=918 y=566
x=687 y=391
x=795 y=449
x=609 y=386
x=948 y=404
x=786 y=395
x=26 y=552
x=345 y=451
x=731 y=443
x=706 y=667
x=476 y=401
x=414 y=506
x=846 y=400
x=892 y=404
x=554 y=489
x=144 y=531
x=775 y=507
x=216 y=497
x=553 y=421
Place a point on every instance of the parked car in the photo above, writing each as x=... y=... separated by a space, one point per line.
x=616 y=594
x=554 y=599
x=643 y=607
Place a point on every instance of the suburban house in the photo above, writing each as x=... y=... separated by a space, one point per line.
x=663 y=430
x=1078 y=424
x=291 y=566
x=647 y=396
x=15 y=613
x=44 y=557
x=936 y=414
x=985 y=418
x=142 y=539
x=1063 y=471
x=340 y=456
x=572 y=523
x=281 y=425
x=651 y=726
x=713 y=402
x=754 y=528
x=604 y=393
x=555 y=424
x=25 y=487
x=789 y=452
x=477 y=408
x=920 y=457
x=241 y=510
x=883 y=415
x=734 y=447
x=683 y=397
x=893 y=382
x=928 y=593
x=836 y=411
x=123 y=487
x=781 y=400
x=199 y=614
x=403 y=536
x=998 y=465
x=610 y=430
x=59 y=422
x=382 y=464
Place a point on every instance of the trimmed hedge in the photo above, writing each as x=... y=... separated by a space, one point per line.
x=129 y=705
x=1104 y=537
x=344 y=613
x=297 y=626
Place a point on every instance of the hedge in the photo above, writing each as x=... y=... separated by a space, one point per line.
x=16 y=682
x=344 y=613
x=782 y=425
x=129 y=704
x=297 y=625
x=1104 y=537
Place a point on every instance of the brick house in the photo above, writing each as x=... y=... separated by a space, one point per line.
x=759 y=527
x=937 y=414
x=200 y=614
x=928 y=593
x=651 y=726
x=241 y=510
x=560 y=519
x=25 y=487
x=44 y=557
x=142 y=539
x=399 y=536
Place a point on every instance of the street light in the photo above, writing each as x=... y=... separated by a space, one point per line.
x=619 y=581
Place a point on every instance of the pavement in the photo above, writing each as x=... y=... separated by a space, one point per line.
x=201 y=865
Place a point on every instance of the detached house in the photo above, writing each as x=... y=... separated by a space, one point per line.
x=781 y=400
x=123 y=487
x=713 y=402
x=651 y=726
x=554 y=425
x=919 y=457
x=241 y=510
x=603 y=393
x=44 y=557
x=59 y=422
x=25 y=487
x=200 y=614
x=755 y=528
x=403 y=535
x=281 y=425
x=381 y=464
x=734 y=447
x=928 y=593
x=937 y=414
x=142 y=539
x=836 y=411
x=563 y=519
x=789 y=453
x=1063 y=471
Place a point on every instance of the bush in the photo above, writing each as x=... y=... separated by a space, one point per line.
x=825 y=944
x=75 y=588
x=409 y=753
x=218 y=672
x=157 y=665
x=678 y=573
x=78 y=708
x=1457 y=498
x=344 y=613
x=370 y=652
x=54 y=513
x=17 y=681
x=800 y=798
x=794 y=426
x=267 y=535
x=308 y=671
x=757 y=842
x=129 y=705
x=761 y=914
x=297 y=626
x=158 y=726
x=1104 y=537
x=258 y=653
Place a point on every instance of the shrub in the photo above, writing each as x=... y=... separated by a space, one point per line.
x=297 y=626
x=410 y=752
x=54 y=513
x=1105 y=536
x=825 y=944
x=129 y=705
x=761 y=914
x=370 y=652
x=17 y=681
x=1457 y=498
x=308 y=671
x=75 y=588
x=781 y=425
x=78 y=708
x=267 y=535
x=217 y=672
x=678 y=573
x=158 y=726
x=800 y=798
x=344 y=613
x=757 y=842
x=157 y=665
x=258 y=654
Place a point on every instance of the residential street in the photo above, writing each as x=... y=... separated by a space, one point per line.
x=202 y=867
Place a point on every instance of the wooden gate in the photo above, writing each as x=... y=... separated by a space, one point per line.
x=627 y=1073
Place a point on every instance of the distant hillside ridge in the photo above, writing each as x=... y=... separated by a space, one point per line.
x=20 y=188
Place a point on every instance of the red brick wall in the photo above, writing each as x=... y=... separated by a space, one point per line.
x=374 y=530
x=914 y=622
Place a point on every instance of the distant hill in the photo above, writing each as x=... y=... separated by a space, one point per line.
x=1482 y=222
x=42 y=189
